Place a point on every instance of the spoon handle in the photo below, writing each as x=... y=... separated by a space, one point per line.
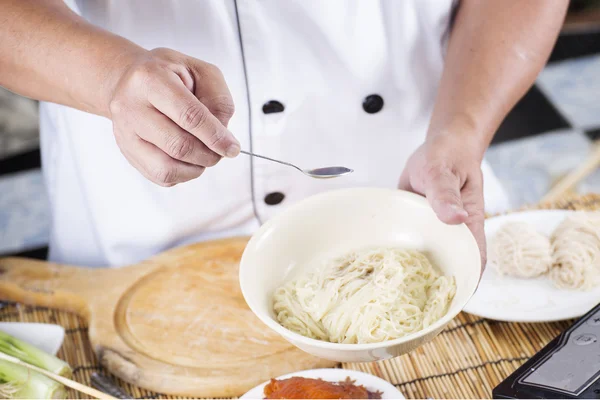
x=106 y=385
x=270 y=159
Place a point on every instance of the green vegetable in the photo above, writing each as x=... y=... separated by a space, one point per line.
x=32 y=355
x=18 y=382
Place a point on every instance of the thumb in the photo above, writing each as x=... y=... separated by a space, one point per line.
x=442 y=189
x=474 y=204
x=174 y=99
x=404 y=183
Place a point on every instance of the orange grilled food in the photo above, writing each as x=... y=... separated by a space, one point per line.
x=307 y=388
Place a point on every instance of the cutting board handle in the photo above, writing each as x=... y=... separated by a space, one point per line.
x=45 y=284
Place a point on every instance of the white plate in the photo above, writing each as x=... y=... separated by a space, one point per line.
x=528 y=300
x=371 y=382
x=46 y=337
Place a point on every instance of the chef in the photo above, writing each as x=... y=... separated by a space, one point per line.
x=145 y=105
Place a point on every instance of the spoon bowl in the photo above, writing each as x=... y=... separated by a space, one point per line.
x=318 y=173
x=327 y=172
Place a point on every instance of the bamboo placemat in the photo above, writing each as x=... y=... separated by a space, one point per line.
x=467 y=360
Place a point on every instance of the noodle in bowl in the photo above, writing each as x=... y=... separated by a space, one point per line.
x=374 y=231
x=365 y=297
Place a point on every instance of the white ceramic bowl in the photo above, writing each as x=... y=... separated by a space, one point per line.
x=340 y=221
x=46 y=337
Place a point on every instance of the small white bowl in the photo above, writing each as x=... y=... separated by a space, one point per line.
x=46 y=337
x=340 y=221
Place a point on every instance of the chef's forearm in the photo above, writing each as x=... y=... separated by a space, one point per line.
x=49 y=53
x=495 y=52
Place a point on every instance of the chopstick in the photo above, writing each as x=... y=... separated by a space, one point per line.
x=60 y=379
x=574 y=177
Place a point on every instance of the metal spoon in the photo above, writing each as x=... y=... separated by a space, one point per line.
x=319 y=173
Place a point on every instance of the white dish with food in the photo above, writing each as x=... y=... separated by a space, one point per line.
x=46 y=337
x=537 y=299
x=344 y=221
x=370 y=382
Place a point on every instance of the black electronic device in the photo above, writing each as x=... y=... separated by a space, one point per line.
x=567 y=368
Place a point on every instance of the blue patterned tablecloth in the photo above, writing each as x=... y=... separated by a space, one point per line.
x=573 y=87
x=24 y=212
x=528 y=167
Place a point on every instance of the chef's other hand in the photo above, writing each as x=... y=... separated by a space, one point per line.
x=449 y=174
x=170 y=115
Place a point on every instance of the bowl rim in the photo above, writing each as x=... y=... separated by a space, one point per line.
x=296 y=337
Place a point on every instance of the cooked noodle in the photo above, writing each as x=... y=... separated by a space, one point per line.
x=365 y=297
x=519 y=250
x=576 y=251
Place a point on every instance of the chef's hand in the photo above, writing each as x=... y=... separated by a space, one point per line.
x=449 y=174
x=170 y=115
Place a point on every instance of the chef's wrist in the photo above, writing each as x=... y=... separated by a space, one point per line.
x=116 y=68
x=462 y=135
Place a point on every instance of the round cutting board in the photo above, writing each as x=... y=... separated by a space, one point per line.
x=176 y=323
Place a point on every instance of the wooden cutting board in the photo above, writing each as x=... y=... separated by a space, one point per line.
x=176 y=323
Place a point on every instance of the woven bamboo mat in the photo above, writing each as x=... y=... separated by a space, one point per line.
x=467 y=360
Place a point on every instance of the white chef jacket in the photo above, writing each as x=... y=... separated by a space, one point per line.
x=316 y=83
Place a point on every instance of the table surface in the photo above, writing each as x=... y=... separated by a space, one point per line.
x=467 y=360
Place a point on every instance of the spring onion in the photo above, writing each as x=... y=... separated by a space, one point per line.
x=18 y=382
x=32 y=355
